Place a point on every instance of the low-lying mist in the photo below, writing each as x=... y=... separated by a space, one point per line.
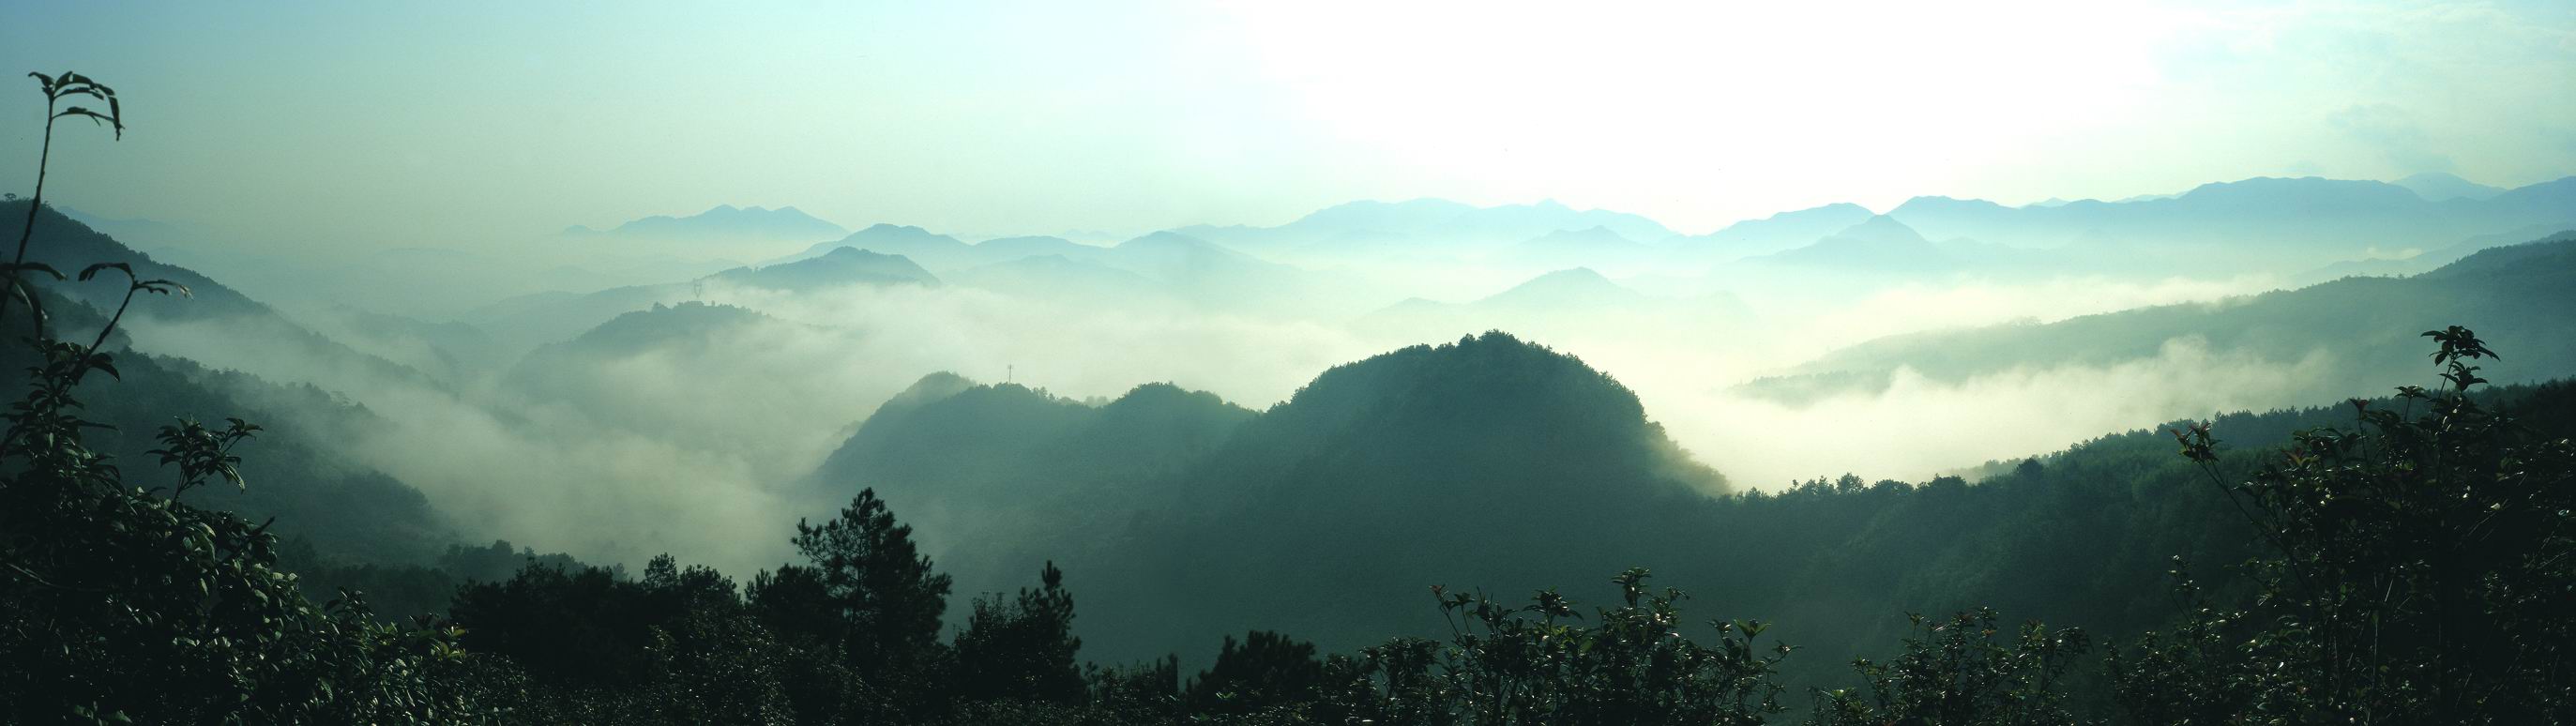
x=660 y=434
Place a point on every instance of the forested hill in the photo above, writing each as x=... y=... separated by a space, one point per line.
x=342 y=519
x=2521 y=298
x=350 y=511
x=997 y=477
x=840 y=267
x=251 y=329
x=1496 y=463
x=346 y=509
x=1165 y=497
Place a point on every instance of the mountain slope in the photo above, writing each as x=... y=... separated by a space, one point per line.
x=2520 y=298
x=2436 y=186
x=1497 y=465
x=1878 y=245
x=944 y=254
x=995 y=477
x=213 y=323
x=523 y=323
x=1594 y=246
x=1375 y=229
x=295 y=470
x=2264 y=223
x=726 y=220
x=679 y=373
x=1776 y=233
x=842 y=267
x=1059 y=278
x=1178 y=509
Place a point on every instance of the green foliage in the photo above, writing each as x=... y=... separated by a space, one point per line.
x=1140 y=692
x=19 y=285
x=1539 y=663
x=1955 y=672
x=1264 y=671
x=678 y=646
x=2419 y=568
x=883 y=592
x=1024 y=650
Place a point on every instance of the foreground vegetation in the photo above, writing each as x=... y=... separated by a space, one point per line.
x=2412 y=566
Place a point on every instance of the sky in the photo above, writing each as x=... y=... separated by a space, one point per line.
x=311 y=125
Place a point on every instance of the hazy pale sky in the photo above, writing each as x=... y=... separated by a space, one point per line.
x=456 y=122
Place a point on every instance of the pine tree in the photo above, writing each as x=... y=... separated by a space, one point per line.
x=885 y=592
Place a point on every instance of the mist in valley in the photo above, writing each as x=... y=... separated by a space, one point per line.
x=695 y=403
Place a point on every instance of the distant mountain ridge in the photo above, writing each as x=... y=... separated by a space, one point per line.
x=2265 y=222
x=1778 y=232
x=526 y=322
x=2253 y=219
x=725 y=220
x=1878 y=244
x=942 y=253
x=1419 y=225
x=2520 y=298
x=2436 y=186
x=842 y=267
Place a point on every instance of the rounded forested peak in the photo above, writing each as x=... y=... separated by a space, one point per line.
x=1148 y=393
x=841 y=266
x=2550 y=255
x=933 y=387
x=1493 y=370
x=685 y=320
x=882 y=228
x=1005 y=393
x=1167 y=397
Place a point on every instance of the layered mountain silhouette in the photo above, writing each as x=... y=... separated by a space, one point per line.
x=1576 y=304
x=1398 y=229
x=524 y=322
x=1063 y=279
x=725 y=220
x=2426 y=260
x=700 y=375
x=1580 y=247
x=2274 y=224
x=301 y=473
x=1776 y=233
x=230 y=329
x=1880 y=244
x=2516 y=297
x=1574 y=291
x=2261 y=221
x=2436 y=186
x=842 y=267
x=944 y=254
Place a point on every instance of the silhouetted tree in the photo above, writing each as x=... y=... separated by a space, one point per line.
x=870 y=600
x=2420 y=569
x=1264 y=670
x=1023 y=649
